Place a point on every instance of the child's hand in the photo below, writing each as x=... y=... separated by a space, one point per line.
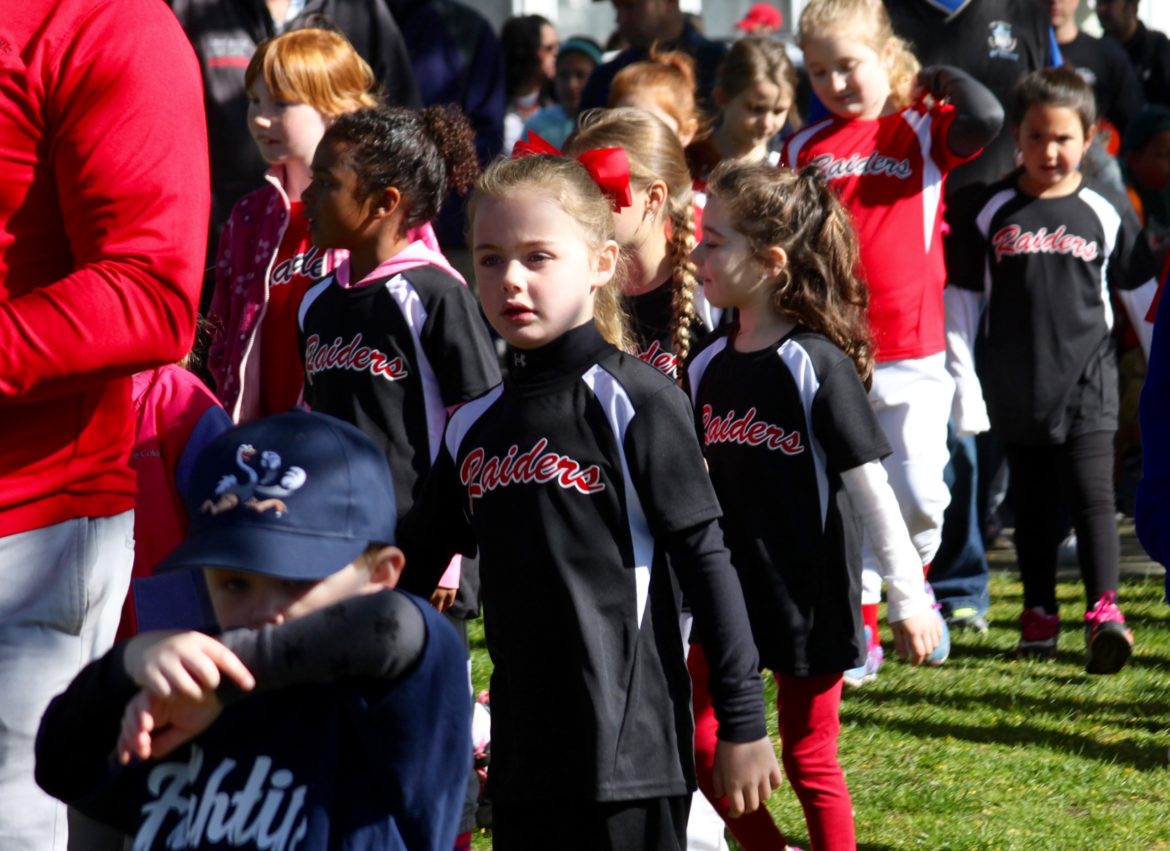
x=916 y=637
x=153 y=726
x=186 y=663
x=746 y=772
x=443 y=598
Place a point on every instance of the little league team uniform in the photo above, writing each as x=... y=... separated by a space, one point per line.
x=577 y=481
x=361 y=744
x=778 y=427
x=1045 y=267
x=265 y=264
x=393 y=352
x=889 y=172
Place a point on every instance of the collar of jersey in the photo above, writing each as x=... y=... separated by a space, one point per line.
x=566 y=357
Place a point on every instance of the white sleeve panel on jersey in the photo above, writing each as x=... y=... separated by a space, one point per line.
x=699 y=365
x=1111 y=227
x=962 y=310
x=1137 y=304
x=794 y=356
x=876 y=506
x=619 y=411
x=800 y=138
x=414 y=311
x=932 y=176
x=311 y=295
x=463 y=419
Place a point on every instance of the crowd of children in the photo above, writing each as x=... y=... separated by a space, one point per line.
x=718 y=394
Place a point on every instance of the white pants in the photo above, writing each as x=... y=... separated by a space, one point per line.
x=61 y=594
x=912 y=401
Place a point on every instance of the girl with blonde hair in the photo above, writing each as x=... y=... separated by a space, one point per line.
x=891 y=136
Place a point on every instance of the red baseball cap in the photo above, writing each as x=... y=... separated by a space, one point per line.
x=760 y=15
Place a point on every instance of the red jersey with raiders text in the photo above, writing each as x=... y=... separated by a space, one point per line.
x=391 y=356
x=889 y=172
x=298 y=265
x=577 y=479
x=1046 y=265
x=778 y=427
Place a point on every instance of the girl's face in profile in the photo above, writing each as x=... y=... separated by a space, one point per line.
x=337 y=214
x=283 y=130
x=536 y=269
x=730 y=272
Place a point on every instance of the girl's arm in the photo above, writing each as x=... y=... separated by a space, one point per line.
x=434 y=529
x=978 y=113
x=910 y=613
x=962 y=309
x=321 y=648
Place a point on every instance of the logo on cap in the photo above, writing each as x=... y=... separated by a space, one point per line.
x=260 y=490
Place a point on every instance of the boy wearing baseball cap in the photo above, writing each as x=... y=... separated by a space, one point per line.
x=331 y=711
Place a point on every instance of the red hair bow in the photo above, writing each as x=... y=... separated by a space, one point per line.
x=609 y=167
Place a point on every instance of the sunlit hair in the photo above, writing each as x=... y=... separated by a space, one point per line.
x=421 y=154
x=796 y=211
x=758 y=60
x=314 y=67
x=655 y=154
x=670 y=77
x=869 y=21
x=570 y=185
x=1057 y=87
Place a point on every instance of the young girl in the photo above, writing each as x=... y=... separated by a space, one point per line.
x=393 y=340
x=1044 y=248
x=794 y=452
x=886 y=154
x=297 y=84
x=656 y=233
x=755 y=89
x=576 y=479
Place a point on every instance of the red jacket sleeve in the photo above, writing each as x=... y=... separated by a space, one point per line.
x=112 y=225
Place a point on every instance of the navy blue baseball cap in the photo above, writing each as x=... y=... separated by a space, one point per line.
x=296 y=496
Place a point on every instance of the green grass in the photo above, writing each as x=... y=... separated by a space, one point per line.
x=989 y=752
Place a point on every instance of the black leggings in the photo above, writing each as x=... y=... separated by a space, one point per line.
x=1082 y=469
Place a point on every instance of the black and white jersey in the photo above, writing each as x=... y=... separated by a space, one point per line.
x=778 y=428
x=579 y=479
x=391 y=356
x=1045 y=267
x=652 y=325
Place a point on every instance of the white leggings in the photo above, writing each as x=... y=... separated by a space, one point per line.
x=912 y=401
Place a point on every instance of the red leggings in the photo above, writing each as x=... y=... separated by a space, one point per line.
x=809 y=725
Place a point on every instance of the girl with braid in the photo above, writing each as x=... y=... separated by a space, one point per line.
x=668 y=315
x=794 y=451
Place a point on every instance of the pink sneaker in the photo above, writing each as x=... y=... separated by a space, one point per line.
x=1108 y=641
x=1038 y=634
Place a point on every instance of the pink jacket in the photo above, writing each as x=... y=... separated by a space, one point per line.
x=175 y=417
x=243 y=269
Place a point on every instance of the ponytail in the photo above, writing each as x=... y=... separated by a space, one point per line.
x=418 y=153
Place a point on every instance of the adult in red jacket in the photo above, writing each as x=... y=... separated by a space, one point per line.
x=104 y=197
